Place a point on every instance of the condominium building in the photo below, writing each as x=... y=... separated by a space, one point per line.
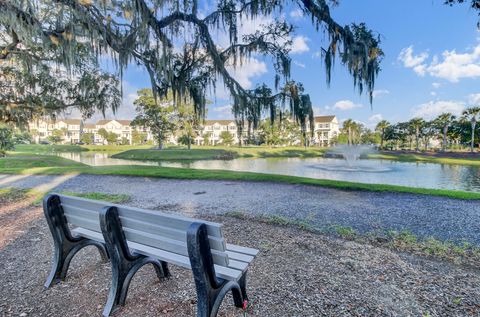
x=326 y=129
x=70 y=129
x=210 y=132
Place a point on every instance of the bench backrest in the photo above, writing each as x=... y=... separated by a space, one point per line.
x=159 y=230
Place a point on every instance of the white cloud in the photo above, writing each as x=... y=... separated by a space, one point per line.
x=409 y=60
x=474 y=99
x=296 y=14
x=299 y=44
x=346 y=105
x=223 y=111
x=250 y=68
x=433 y=93
x=436 y=85
x=375 y=118
x=302 y=65
x=380 y=92
x=432 y=109
x=452 y=66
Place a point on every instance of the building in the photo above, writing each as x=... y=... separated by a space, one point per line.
x=211 y=130
x=70 y=129
x=326 y=129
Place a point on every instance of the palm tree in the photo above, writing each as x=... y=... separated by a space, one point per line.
x=417 y=124
x=381 y=127
x=444 y=120
x=349 y=125
x=472 y=113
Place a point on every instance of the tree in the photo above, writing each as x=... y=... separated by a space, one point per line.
x=56 y=137
x=443 y=121
x=471 y=114
x=381 y=127
x=112 y=138
x=6 y=139
x=22 y=137
x=206 y=138
x=417 y=125
x=138 y=138
x=103 y=133
x=157 y=115
x=87 y=138
x=124 y=141
x=176 y=42
x=351 y=128
x=226 y=137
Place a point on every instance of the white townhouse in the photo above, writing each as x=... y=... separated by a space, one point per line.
x=213 y=128
x=121 y=128
x=326 y=128
x=70 y=128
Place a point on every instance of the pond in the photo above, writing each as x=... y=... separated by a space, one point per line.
x=416 y=174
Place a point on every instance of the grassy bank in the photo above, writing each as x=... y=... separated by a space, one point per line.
x=27 y=160
x=48 y=148
x=56 y=165
x=426 y=159
x=212 y=153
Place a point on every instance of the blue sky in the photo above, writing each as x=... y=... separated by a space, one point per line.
x=431 y=65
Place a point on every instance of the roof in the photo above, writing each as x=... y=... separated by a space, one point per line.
x=69 y=121
x=105 y=121
x=324 y=118
x=221 y=122
x=89 y=125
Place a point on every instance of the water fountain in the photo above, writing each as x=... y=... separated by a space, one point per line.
x=351 y=155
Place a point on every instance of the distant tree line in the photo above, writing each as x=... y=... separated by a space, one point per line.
x=418 y=134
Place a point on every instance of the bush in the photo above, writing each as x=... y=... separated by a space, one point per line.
x=6 y=139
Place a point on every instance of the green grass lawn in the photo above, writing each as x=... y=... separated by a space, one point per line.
x=21 y=164
x=211 y=153
x=48 y=148
x=24 y=161
x=426 y=159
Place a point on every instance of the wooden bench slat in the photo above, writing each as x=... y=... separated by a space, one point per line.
x=228 y=273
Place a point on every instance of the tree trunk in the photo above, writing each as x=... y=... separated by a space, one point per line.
x=189 y=144
x=160 y=142
x=472 y=145
x=416 y=139
x=382 y=136
x=445 y=131
x=349 y=136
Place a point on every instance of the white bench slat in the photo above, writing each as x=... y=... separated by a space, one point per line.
x=229 y=273
x=83 y=222
x=155 y=217
x=239 y=256
x=171 y=233
x=243 y=250
x=169 y=245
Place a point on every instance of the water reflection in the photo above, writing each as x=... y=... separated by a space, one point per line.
x=416 y=174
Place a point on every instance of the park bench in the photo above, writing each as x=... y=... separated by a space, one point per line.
x=132 y=237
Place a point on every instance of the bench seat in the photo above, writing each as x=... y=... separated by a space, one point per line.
x=239 y=257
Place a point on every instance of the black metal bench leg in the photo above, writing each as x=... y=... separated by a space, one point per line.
x=66 y=246
x=124 y=264
x=210 y=289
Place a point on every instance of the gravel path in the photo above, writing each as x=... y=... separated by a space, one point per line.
x=340 y=278
x=442 y=218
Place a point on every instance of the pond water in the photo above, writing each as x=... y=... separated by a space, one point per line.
x=425 y=175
